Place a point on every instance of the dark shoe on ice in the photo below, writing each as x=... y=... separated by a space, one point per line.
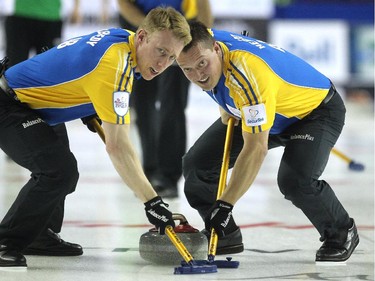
x=52 y=245
x=331 y=251
x=229 y=244
x=11 y=258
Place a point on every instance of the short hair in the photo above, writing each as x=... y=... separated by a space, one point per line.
x=167 y=18
x=199 y=34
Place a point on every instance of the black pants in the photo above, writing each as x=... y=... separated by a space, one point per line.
x=44 y=151
x=307 y=147
x=24 y=34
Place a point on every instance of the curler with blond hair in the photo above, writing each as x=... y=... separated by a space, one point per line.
x=167 y=18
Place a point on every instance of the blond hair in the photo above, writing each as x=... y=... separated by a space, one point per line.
x=163 y=18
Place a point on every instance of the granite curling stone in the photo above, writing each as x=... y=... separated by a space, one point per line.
x=158 y=249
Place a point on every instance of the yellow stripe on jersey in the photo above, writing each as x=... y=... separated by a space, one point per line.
x=112 y=79
x=256 y=85
x=51 y=97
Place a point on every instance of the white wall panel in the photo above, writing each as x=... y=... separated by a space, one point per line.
x=324 y=44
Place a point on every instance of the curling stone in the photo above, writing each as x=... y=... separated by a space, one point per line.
x=159 y=249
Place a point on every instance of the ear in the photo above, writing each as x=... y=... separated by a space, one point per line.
x=141 y=36
x=217 y=48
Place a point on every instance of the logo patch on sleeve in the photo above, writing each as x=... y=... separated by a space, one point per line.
x=254 y=115
x=121 y=103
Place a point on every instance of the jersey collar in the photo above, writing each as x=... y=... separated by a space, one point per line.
x=225 y=56
x=132 y=50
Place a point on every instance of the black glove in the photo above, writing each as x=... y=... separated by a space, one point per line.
x=85 y=120
x=219 y=217
x=158 y=214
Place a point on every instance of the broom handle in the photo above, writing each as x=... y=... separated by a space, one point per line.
x=169 y=229
x=222 y=183
x=341 y=155
x=179 y=245
x=94 y=122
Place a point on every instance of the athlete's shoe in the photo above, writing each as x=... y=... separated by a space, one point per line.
x=229 y=244
x=51 y=244
x=332 y=251
x=11 y=258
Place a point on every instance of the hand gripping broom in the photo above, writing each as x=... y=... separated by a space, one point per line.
x=228 y=263
x=190 y=266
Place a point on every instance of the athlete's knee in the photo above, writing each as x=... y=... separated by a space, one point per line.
x=192 y=186
x=190 y=192
x=61 y=175
x=286 y=183
x=293 y=186
x=200 y=190
x=71 y=174
x=199 y=196
x=193 y=163
x=187 y=164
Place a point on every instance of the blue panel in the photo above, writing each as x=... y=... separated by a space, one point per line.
x=354 y=11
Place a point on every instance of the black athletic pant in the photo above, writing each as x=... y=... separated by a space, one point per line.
x=44 y=151
x=307 y=147
x=24 y=34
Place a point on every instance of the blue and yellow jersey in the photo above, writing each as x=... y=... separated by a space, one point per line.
x=188 y=8
x=266 y=86
x=81 y=76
